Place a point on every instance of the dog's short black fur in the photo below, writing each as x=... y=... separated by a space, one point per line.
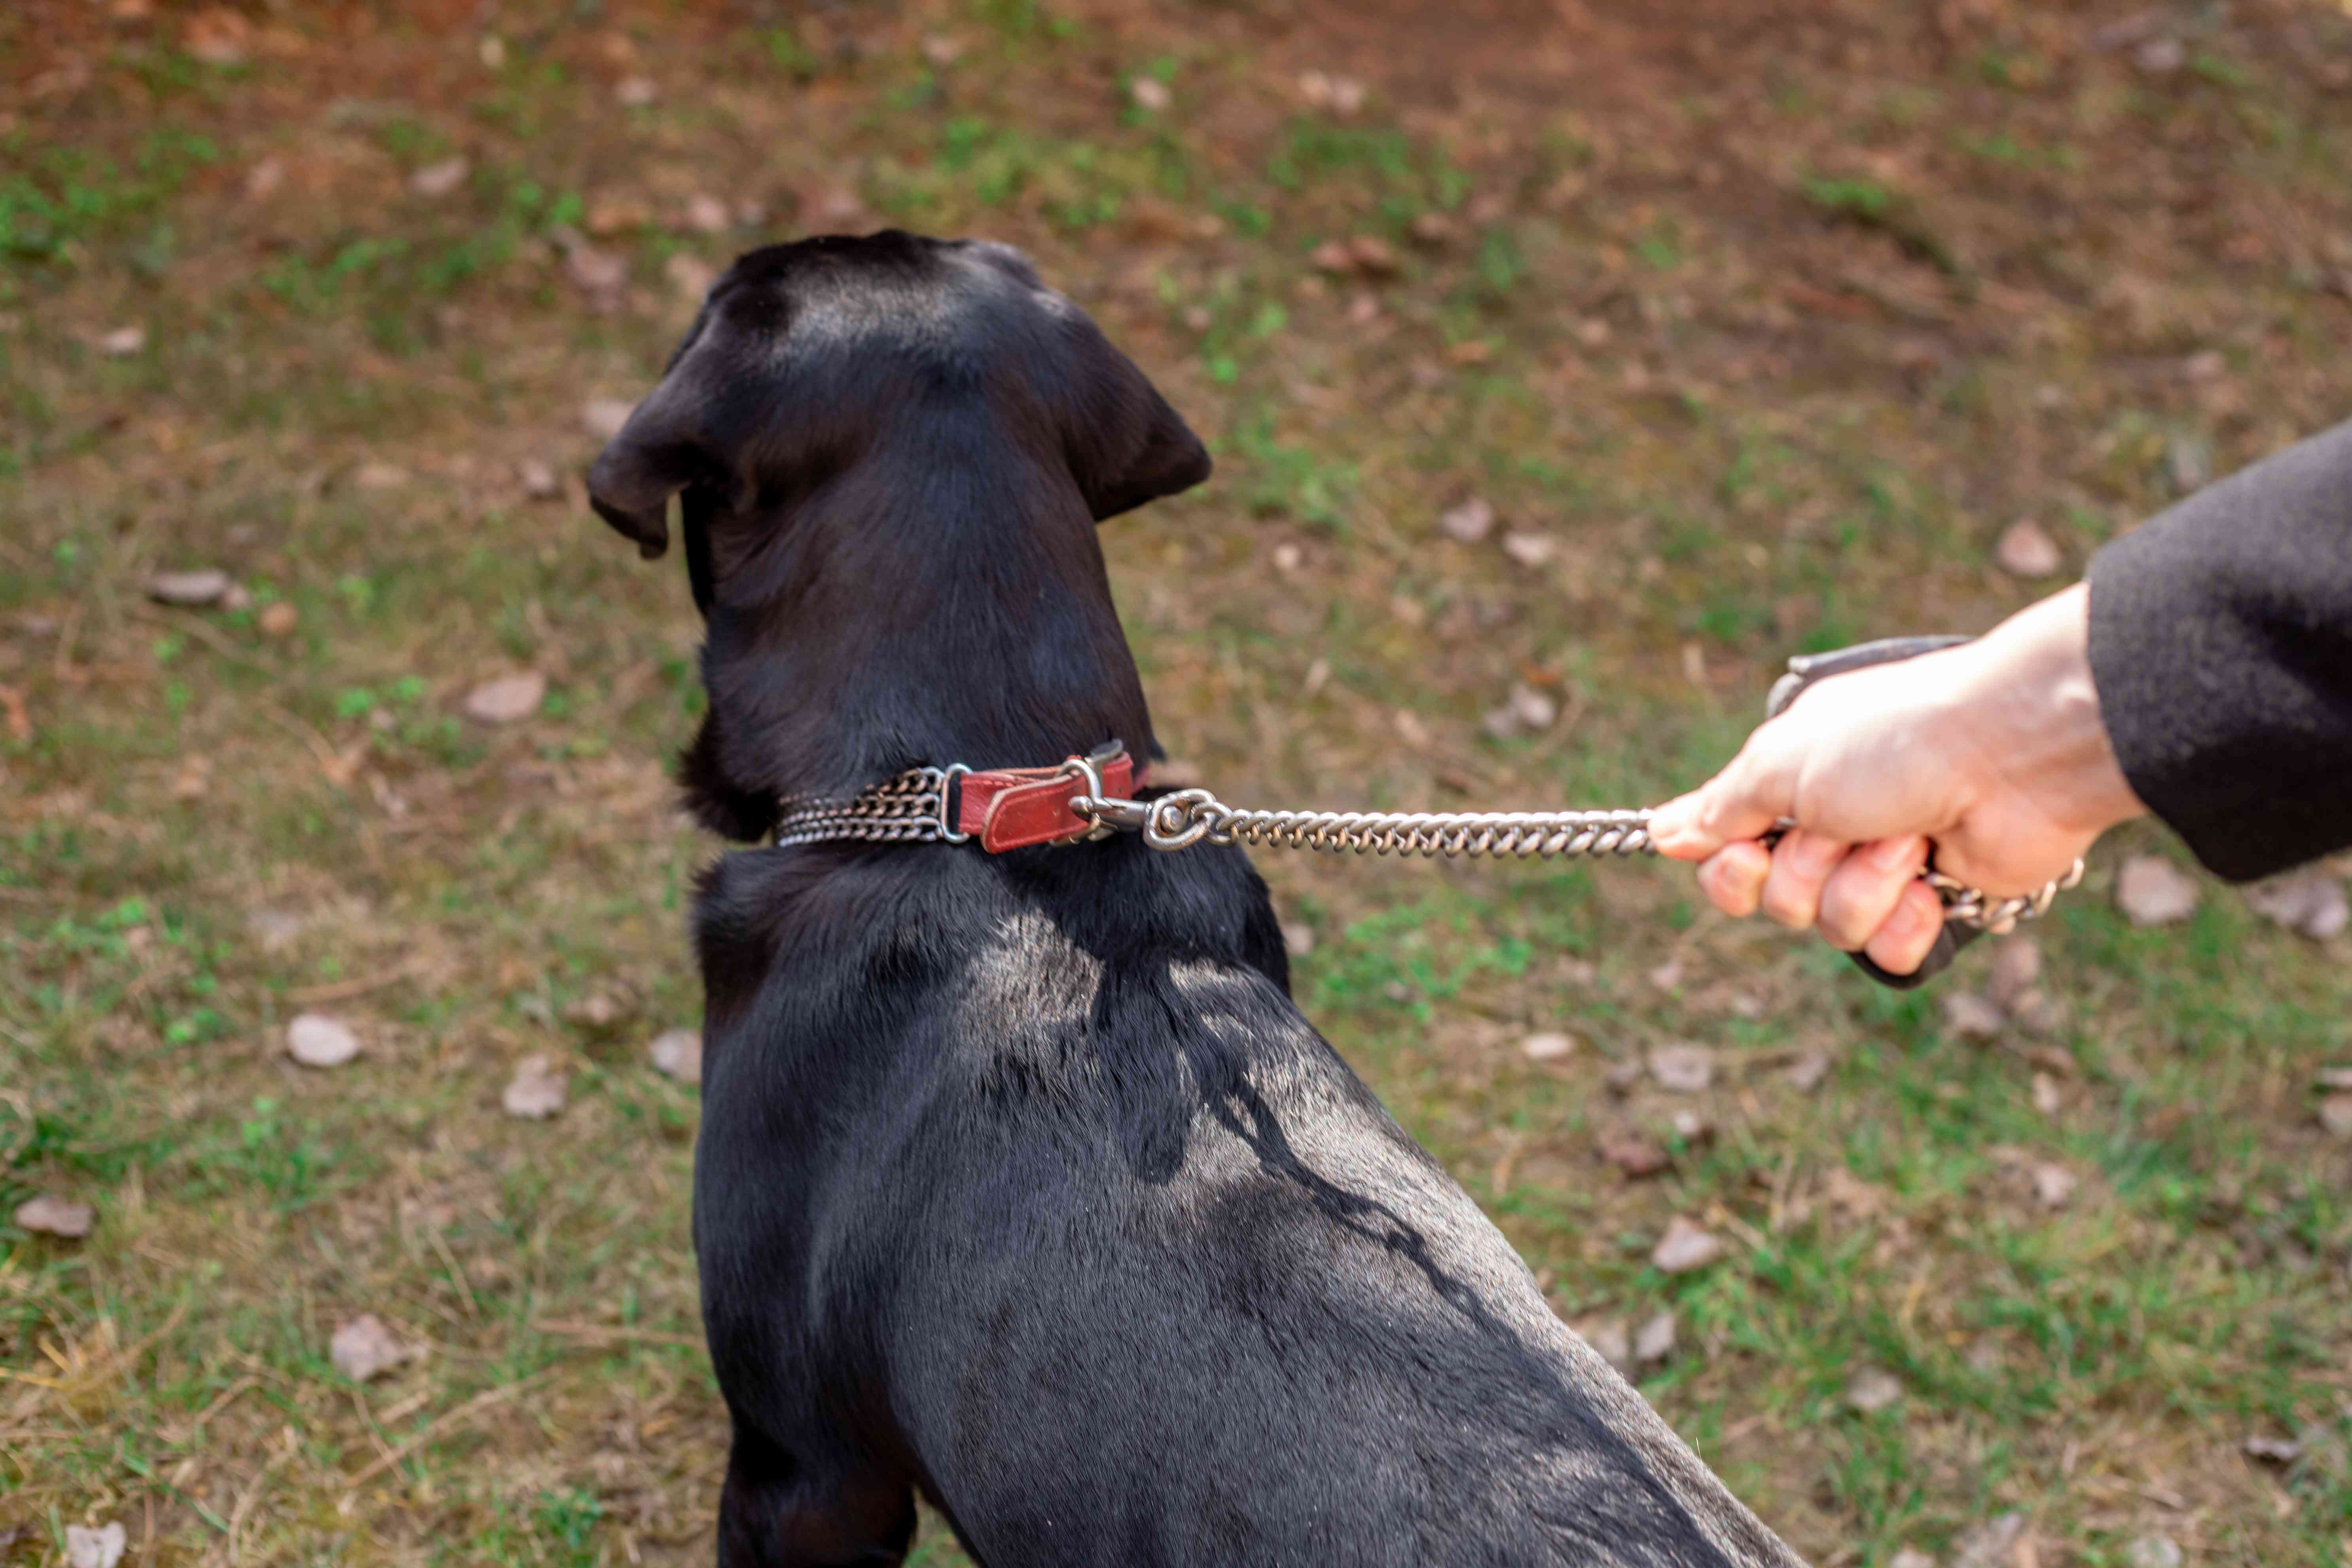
x=1021 y=1180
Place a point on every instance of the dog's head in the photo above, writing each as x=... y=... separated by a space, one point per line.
x=806 y=357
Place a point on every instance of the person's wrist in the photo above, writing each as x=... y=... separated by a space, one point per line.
x=2032 y=705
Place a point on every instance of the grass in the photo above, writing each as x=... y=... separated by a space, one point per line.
x=1771 y=335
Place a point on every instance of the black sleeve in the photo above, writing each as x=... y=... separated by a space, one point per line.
x=2222 y=646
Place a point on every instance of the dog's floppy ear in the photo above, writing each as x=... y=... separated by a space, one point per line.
x=655 y=455
x=1126 y=444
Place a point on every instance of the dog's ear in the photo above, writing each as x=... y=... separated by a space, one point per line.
x=656 y=455
x=1126 y=444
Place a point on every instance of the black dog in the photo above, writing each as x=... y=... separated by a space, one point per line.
x=1021 y=1180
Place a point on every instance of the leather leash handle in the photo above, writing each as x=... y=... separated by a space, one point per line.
x=1809 y=669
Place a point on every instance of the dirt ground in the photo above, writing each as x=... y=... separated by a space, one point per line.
x=1755 y=329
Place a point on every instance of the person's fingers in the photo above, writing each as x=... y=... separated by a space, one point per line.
x=1740 y=802
x=1901 y=943
x=1734 y=875
x=1801 y=862
x=1864 y=889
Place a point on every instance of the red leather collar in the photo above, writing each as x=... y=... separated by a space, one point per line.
x=1009 y=808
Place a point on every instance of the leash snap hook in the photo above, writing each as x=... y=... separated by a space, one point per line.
x=1088 y=805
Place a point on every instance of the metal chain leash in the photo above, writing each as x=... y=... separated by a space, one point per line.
x=912 y=808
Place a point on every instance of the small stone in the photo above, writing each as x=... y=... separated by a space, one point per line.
x=943 y=50
x=51 y=1215
x=1808 y=1070
x=596 y=1010
x=595 y=272
x=315 y=1041
x=2273 y=1450
x=1548 y=1046
x=122 y=342
x=1530 y=550
x=1654 y=1339
x=1150 y=94
x=261 y=181
x=99 y=1548
x=2150 y=890
x=2025 y=551
x=1992 y=1544
x=2153 y=1552
x=1910 y=1558
x=537 y=1091
x=706 y=214
x=1686 y=1249
x=2160 y=56
x=1667 y=975
x=277 y=618
x=1690 y=1126
x=1298 y=938
x=538 y=480
x=508 y=699
x=635 y=91
x=2310 y=901
x=1632 y=1152
x=1873 y=1389
x=379 y=475
x=2054 y=1185
x=603 y=418
x=1469 y=522
x=677 y=1053
x=203 y=587
x=689 y=275
x=1288 y=557
x=364 y=1347
x=2335 y=1077
x=1973 y=1016
x=1412 y=729
x=2188 y=462
x=1684 y=1069
x=1609 y=1340
x=436 y=180
x=2335 y=1114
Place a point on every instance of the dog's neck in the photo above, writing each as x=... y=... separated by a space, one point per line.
x=944 y=602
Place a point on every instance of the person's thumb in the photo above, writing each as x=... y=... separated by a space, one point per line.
x=1740 y=802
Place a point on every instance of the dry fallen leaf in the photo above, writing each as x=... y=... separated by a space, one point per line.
x=508 y=699
x=122 y=341
x=1607 y=1336
x=439 y=179
x=375 y=475
x=635 y=91
x=2273 y=1450
x=1685 y=1248
x=678 y=1054
x=99 y=1548
x=1995 y=1544
x=1684 y=1069
x=205 y=585
x=1530 y=550
x=1973 y=1016
x=364 y=1347
x=2150 y=890
x=538 y=479
x=1469 y=522
x=2153 y=1551
x=2025 y=551
x=2016 y=968
x=317 y=1040
x=1910 y=1557
x=1632 y=1152
x=1654 y=1339
x=1150 y=94
x=50 y=1215
x=1873 y=1388
x=2309 y=902
x=2335 y=1114
x=1546 y=1047
x=691 y=275
x=2048 y=1098
x=1808 y=1070
x=1298 y=938
x=2054 y=1185
x=706 y=214
x=537 y=1090
x=603 y=416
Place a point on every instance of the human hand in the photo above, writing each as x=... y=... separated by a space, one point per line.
x=1993 y=751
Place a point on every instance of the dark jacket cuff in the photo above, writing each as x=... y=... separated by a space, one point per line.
x=2222 y=646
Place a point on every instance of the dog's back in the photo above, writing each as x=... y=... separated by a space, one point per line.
x=1092 y=1234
